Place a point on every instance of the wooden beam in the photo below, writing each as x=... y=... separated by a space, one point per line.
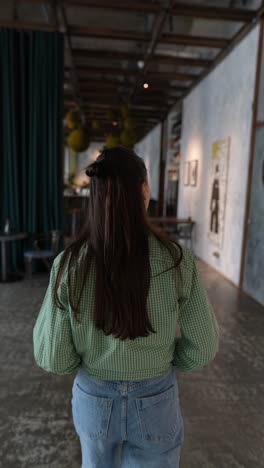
x=108 y=33
x=144 y=94
x=213 y=13
x=157 y=29
x=195 y=41
x=162 y=167
x=242 y=32
x=115 y=105
x=73 y=70
x=125 y=5
x=134 y=111
x=127 y=72
x=107 y=71
x=158 y=84
x=112 y=55
x=181 y=9
x=86 y=82
x=252 y=152
x=27 y=25
x=180 y=39
x=112 y=100
x=138 y=121
x=170 y=76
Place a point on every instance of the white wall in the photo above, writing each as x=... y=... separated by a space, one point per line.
x=220 y=107
x=149 y=150
x=88 y=156
x=82 y=159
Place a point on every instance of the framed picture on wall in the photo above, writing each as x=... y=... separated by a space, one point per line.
x=218 y=182
x=193 y=173
x=186 y=173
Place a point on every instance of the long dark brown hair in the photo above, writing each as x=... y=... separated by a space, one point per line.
x=116 y=237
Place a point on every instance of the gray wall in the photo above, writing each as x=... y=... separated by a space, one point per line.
x=220 y=107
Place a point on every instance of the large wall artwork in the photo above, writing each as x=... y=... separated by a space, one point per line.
x=218 y=190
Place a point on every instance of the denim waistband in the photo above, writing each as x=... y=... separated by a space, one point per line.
x=130 y=384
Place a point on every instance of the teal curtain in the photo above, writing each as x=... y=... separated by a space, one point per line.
x=31 y=133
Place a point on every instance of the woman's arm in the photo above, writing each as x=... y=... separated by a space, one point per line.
x=199 y=340
x=54 y=349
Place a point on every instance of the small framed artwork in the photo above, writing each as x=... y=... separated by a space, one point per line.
x=186 y=173
x=193 y=173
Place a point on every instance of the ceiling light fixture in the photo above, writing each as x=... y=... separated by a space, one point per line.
x=146 y=85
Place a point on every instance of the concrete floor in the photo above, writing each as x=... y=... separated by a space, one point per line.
x=223 y=404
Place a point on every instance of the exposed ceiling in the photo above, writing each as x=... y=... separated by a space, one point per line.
x=112 y=47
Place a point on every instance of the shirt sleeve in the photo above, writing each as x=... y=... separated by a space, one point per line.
x=199 y=341
x=54 y=349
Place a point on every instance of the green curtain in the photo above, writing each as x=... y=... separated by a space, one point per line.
x=31 y=133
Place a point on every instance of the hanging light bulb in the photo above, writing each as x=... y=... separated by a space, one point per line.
x=146 y=85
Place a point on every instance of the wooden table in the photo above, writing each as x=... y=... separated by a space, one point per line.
x=4 y=238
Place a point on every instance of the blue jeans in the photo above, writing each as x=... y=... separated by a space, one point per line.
x=128 y=424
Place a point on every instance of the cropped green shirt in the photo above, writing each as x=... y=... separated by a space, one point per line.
x=176 y=297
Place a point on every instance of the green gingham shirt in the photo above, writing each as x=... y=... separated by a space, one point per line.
x=176 y=297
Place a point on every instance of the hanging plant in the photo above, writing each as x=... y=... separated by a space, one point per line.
x=125 y=110
x=73 y=120
x=127 y=135
x=128 y=138
x=96 y=125
x=129 y=123
x=78 y=140
x=113 y=139
x=112 y=115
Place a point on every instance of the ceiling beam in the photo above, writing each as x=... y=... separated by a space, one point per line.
x=195 y=41
x=125 y=5
x=115 y=105
x=213 y=13
x=87 y=82
x=157 y=85
x=68 y=43
x=108 y=33
x=106 y=121
x=180 y=9
x=112 y=100
x=242 y=32
x=180 y=39
x=127 y=56
x=142 y=93
x=27 y=25
x=138 y=117
x=157 y=29
x=155 y=76
x=127 y=72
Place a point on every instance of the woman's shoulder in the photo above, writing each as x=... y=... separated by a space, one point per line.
x=65 y=256
x=170 y=249
x=170 y=254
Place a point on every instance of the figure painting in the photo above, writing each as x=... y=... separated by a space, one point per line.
x=218 y=190
x=193 y=173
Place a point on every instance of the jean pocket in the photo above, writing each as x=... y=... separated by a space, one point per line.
x=91 y=414
x=160 y=416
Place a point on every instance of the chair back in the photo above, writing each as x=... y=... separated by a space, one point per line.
x=55 y=239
